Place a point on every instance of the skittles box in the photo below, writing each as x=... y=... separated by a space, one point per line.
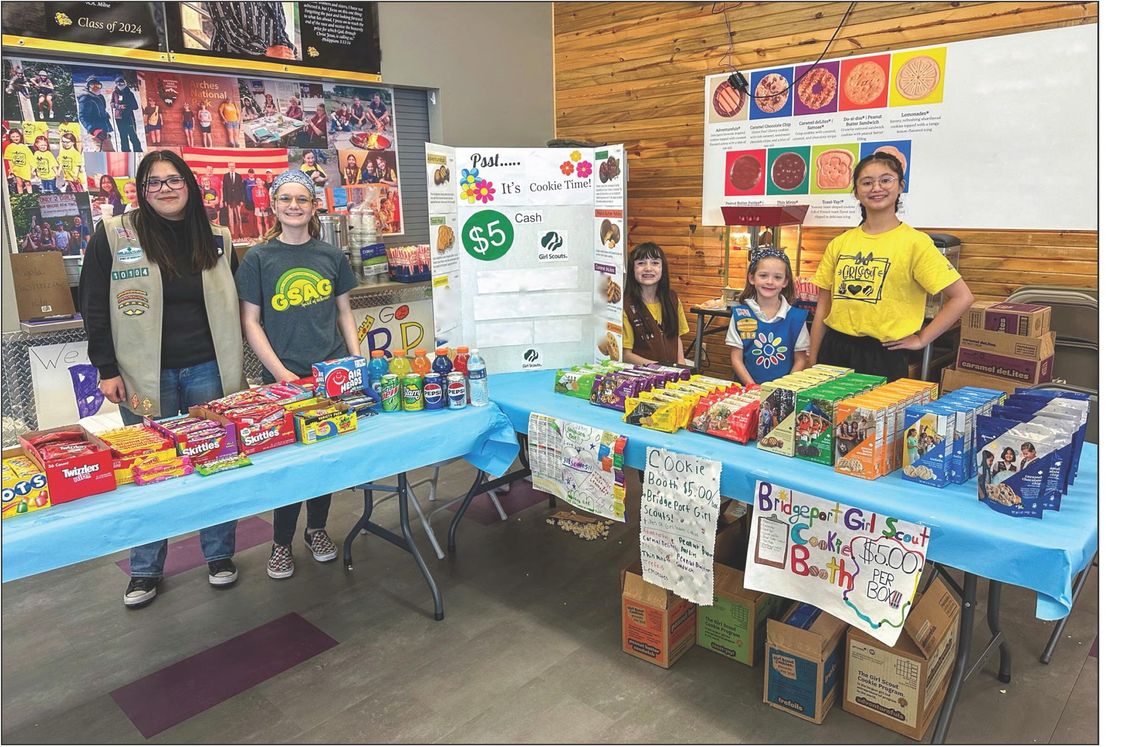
x=25 y=485
x=340 y=376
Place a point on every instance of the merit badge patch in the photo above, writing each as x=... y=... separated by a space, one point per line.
x=126 y=234
x=220 y=244
x=136 y=272
x=129 y=254
x=133 y=302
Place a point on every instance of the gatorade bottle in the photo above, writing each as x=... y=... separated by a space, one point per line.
x=377 y=367
x=477 y=386
x=460 y=361
x=399 y=365
x=420 y=364
x=442 y=364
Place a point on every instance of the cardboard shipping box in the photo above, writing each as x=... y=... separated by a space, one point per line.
x=42 y=289
x=953 y=378
x=1025 y=371
x=1025 y=319
x=803 y=665
x=733 y=625
x=901 y=687
x=656 y=624
x=999 y=343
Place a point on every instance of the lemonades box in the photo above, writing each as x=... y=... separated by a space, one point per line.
x=733 y=625
x=656 y=624
x=803 y=662
x=901 y=687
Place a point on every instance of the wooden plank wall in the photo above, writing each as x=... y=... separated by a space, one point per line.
x=633 y=72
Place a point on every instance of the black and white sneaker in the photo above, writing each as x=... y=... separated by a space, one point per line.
x=141 y=591
x=280 y=561
x=223 y=572
x=321 y=545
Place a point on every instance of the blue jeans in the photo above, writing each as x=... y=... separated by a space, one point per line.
x=179 y=389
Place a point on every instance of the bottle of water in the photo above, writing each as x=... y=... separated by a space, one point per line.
x=477 y=387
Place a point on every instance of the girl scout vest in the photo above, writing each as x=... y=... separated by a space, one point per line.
x=769 y=347
x=649 y=340
x=136 y=316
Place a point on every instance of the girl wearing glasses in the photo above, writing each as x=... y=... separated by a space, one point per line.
x=295 y=312
x=873 y=281
x=160 y=308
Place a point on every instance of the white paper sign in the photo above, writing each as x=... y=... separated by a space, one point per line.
x=679 y=506
x=860 y=566
x=579 y=464
x=65 y=384
x=398 y=325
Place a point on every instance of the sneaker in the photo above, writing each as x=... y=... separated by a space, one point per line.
x=280 y=562
x=322 y=546
x=141 y=591
x=222 y=572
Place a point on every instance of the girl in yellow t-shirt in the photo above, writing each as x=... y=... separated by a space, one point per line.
x=652 y=319
x=19 y=158
x=873 y=281
x=71 y=163
x=47 y=168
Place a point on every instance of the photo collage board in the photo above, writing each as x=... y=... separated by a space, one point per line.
x=73 y=135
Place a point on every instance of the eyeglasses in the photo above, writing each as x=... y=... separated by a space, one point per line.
x=885 y=181
x=174 y=182
x=301 y=200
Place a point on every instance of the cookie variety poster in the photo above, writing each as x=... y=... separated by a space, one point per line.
x=528 y=252
x=73 y=134
x=794 y=132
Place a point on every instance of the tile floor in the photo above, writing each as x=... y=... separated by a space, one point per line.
x=528 y=652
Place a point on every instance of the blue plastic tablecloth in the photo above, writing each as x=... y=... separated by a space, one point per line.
x=384 y=444
x=1040 y=554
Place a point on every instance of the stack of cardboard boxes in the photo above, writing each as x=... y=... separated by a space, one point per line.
x=809 y=660
x=1003 y=346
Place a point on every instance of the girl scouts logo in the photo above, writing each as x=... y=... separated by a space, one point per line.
x=129 y=254
x=300 y=287
x=769 y=350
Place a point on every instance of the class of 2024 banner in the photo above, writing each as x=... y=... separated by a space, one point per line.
x=859 y=566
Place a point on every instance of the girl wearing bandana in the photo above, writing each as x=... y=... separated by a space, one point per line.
x=768 y=338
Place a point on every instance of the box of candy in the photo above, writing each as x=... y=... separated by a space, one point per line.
x=24 y=483
x=200 y=438
x=323 y=420
x=131 y=443
x=257 y=426
x=75 y=463
x=340 y=376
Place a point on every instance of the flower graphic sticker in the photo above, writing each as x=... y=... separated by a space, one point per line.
x=484 y=192
x=567 y=168
x=585 y=168
x=769 y=350
x=576 y=156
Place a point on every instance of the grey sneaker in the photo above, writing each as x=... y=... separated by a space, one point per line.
x=280 y=562
x=321 y=545
x=223 y=572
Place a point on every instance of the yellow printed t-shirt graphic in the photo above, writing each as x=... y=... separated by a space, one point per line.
x=300 y=287
x=879 y=283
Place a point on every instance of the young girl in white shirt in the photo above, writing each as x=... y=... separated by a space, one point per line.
x=768 y=337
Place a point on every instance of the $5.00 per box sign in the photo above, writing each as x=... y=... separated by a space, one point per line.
x=860 y=566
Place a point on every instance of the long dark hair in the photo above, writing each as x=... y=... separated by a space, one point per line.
x=158 y=237
x=649 y=250
x=892 y=163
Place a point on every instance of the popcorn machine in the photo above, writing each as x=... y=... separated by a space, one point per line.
x=748 y=227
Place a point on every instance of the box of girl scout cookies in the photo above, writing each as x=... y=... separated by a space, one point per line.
x=1025 y=319
x=901 y=687
x=803 y=662
x=656 y=624
x=733 y=625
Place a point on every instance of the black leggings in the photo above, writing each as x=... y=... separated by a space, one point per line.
x=865 y=354
x=285 y=519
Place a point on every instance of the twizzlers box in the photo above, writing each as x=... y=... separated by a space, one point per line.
x=83 y=473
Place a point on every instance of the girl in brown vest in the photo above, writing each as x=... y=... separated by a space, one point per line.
x=652 y=319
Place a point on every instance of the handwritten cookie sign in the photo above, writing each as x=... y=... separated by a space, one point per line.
x=860 y=566
x=679 y=505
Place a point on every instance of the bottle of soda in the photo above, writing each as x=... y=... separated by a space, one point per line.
x=459 y=363
x=377 y=367
x=420 y=364
x=399 y=365
x=441 y=364
x=477 y=385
